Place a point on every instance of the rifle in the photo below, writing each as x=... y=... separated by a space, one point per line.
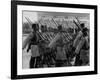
x=77 y=25
x=39 y=22
x=78 y=20
x=29 y=21
x=54 y=22
x=50 y=23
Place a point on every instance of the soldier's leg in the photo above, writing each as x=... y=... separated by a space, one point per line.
x=78 y=62
x=36 y=64
x=32 y=60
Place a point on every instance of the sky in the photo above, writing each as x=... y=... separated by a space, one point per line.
x=35 y=15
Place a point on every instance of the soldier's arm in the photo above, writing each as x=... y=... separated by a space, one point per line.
x=87 y=42
x=81 y=43
x=53 y=42
x=26 y=41
x=77 y=39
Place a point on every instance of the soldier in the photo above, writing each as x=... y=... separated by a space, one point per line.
x=60 y=55
x=83 y=49
x=79 y=43
x=32 y=42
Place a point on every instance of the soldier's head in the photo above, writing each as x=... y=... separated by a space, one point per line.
x=82 y=25
x=85 y=31
x=35 y=27
x=59 y=27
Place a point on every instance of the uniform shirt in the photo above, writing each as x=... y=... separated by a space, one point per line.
x=32 y=40
x=34 y=51
x=54 y=41
x=60 y=53
x=82 y=44
x=77 y=39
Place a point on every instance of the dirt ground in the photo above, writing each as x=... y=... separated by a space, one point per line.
x=25 y=56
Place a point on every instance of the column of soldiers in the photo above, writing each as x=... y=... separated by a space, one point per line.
x=57 y=53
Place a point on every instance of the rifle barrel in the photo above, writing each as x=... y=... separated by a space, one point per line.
x=77 y=25
x=54 y=22
x=30 y=24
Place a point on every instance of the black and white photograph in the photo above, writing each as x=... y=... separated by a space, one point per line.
x=53 y=39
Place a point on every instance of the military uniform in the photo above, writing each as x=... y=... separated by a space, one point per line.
x=32 y=40
x=81 y=49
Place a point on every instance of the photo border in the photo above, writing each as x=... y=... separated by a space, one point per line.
x=14 y=38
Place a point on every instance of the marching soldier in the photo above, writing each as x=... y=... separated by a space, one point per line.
x=58 y=43
x=83 y=49
x=32 y=41
x=80 y=44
